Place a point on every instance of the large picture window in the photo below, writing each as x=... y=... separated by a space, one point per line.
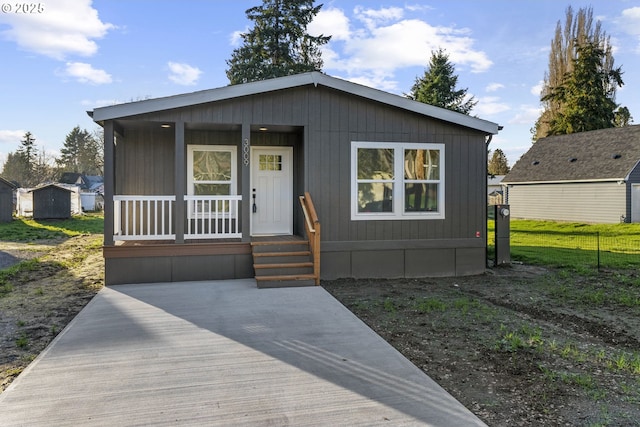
x=397 y=180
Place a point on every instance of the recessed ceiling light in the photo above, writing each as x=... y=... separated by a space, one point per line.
x=262 y=129
x=165 y=125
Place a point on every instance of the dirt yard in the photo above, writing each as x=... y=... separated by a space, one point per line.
x=55 y=281
x=519 y=346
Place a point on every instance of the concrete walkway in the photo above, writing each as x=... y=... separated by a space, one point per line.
x=223 y=353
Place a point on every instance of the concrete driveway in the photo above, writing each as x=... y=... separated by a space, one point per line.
x=223 y=353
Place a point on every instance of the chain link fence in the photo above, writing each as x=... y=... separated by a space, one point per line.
x=590 y=250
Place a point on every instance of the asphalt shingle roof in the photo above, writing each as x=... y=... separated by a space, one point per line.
x=605 y=154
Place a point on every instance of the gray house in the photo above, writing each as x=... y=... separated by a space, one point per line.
x=213 y=184
x=589 y=177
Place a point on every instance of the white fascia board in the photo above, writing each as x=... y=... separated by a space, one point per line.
x=315 y=78
x=562 y=181
x=631 y=170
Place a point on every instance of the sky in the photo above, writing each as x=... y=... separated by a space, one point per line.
x=62 y=58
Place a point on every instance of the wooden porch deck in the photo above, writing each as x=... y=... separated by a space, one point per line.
x=154 y=261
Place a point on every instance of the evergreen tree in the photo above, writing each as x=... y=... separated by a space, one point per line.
x=278 y=45
x=28 y=166
x=28 y=150
x=579 y=30
x=81 y=153
x=15 y=169
x=586 y=94
x=498 y=164
x=438 y=86
x=622 y=117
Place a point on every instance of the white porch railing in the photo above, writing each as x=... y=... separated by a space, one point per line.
x=152 y=217
x=143 y=217
x=213 y=217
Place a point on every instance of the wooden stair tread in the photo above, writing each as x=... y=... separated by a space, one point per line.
x=287 y=277
x=284 y=265
x=273 y=254
x=279 y=243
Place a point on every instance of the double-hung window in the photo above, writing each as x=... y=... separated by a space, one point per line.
x=397 y=180
x=211 y=171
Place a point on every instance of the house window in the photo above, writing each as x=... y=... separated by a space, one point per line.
x=270 y=162
x=397 y=180
x=211 y=172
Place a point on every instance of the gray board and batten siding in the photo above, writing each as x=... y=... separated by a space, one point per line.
x=319 y=118
x=583 y=177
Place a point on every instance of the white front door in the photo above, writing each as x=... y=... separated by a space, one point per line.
x=271 y=190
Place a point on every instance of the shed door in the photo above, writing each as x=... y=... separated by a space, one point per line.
x=271 y=191
x=635 y=202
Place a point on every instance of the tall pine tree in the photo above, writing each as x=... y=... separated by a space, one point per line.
x=438 y=86
x=586 y=94
x=81 y=153
x=579 y=30
x=278 y=45
x=498 y=164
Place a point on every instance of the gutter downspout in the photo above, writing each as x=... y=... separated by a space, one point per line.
x=486 y=199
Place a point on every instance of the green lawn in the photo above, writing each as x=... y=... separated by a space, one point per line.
x=574 y=245
x=26 y=230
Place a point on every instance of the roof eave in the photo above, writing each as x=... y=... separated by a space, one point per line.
x=316 y=78
x=564 y=181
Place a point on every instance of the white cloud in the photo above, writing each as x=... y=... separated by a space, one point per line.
x=629 y=21
x=494 y=87
x=526 y=115
x=11 y=136
x=65 y=27
x=388 y=42
x=236 y=37
x=85 y=73
x=99 y=103
x=490 y=105
x=372 y=18
x=330 y=22
x=183 y=74
x=537 y=89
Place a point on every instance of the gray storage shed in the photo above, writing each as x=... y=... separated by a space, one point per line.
x=6 y=200
x=51 y=202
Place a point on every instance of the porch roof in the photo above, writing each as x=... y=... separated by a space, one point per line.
x=314 y=78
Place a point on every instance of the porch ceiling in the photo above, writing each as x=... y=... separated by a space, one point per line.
x=167 y=126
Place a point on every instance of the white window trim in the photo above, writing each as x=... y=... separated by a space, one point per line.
x=398 y=182
x=234 y=166
x=234 y=172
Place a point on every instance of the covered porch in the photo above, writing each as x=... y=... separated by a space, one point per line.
x=160 y=222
